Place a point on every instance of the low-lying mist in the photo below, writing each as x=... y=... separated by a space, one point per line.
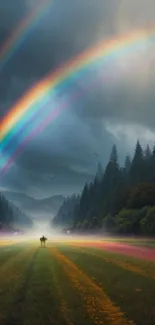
x=44 y=228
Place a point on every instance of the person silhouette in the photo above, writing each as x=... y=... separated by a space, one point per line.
x=43 y=240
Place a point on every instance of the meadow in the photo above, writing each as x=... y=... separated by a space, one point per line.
x=70 y=283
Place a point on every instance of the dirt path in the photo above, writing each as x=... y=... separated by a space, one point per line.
x=125 y=249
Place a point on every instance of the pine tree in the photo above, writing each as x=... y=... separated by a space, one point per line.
x=113 y=191
x=110 y=182
x=137 y=170
x=138 y=157
x=152 y=166
x=113 y=155
x=99 y=173
x=84 y=204
x=127 y=164
x=147 y=158
x=147 y=153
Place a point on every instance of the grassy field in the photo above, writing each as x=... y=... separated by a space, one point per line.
x=68 y=284
x=143 y=242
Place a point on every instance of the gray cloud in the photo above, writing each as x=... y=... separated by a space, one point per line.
x=115 y=108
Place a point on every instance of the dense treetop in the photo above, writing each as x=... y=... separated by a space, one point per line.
x=119 y=200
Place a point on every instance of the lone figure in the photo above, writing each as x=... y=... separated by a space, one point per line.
x=43 y=240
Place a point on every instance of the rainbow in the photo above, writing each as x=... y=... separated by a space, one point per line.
x=33 y=100
x=22 y=31
x=37 y=128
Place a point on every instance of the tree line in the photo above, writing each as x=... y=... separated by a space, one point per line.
x=119 y=199
x=11 y=216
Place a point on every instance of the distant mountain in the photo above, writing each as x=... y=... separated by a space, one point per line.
x=11 y=216
x=46 y=208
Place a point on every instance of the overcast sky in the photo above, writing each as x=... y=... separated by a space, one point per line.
x=120 y=110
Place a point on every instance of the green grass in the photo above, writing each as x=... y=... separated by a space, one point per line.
x=121 y=285
x=35 y=288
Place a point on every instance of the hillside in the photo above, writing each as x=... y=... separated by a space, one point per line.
x=10 y=215
x=120 y=200
x=46 y=208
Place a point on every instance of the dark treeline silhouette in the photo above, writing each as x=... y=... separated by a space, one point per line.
x=66 y=213
x=119 y=200
x=11 y=216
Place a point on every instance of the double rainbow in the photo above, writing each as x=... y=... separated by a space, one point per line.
x=27 y=108
x=19 y=35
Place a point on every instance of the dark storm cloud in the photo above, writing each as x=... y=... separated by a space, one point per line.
x=91 y=125
x=60 y=34
x=50 y=43
x=66 y=30
x=72 y=147
x=11 y=13
x=71 y=27
x=11 y=90
x=65 y=150
x=122 y=103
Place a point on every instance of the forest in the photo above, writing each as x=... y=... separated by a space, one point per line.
x=120 y=199
x=11 y=216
